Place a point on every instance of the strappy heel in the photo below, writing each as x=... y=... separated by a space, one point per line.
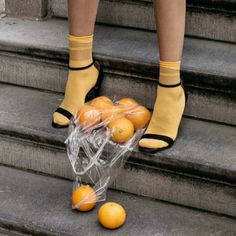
x=94 y=92
x=164 y=138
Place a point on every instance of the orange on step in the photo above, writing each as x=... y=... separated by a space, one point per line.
x=122 y=129
x=102 y=103
x=111 y=215
x=88 y=116
x=139 y=116
x=83 y=198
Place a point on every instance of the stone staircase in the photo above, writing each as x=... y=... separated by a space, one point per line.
x=198 y=172
x=204 y=18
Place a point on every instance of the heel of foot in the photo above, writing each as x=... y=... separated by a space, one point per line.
x=152 y=143
x=60 y=119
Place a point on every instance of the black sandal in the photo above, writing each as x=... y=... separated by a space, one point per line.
x=164 y=138
x=94 y=92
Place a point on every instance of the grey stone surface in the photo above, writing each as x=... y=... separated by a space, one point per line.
x=200 y=169
x=29 y=112
x=33 y=59
x=142 y=179
x=38 y=204
x=50 y=76
x=5 y=232
x=33 y=9
x=2 y=6
x=200 y=56
x=203 y=20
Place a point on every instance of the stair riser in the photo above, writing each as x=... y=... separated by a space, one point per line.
x=36 y=9
x=203 y=23
x=51 y=76
x=134 y=178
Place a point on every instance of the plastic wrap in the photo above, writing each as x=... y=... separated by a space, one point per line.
x=95 y=158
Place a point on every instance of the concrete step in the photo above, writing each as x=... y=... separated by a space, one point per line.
x=2 y=6
x=6 y=232
x=198 y=171
x=27 y=9
x=38 y=59
x=39 y=205
x=207 y=19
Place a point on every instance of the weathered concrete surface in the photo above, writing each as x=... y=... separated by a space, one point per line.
x=141 y=179
x=34 y=59
x=32 y=9
x=204 y=19
x=38 y=204
x=200 y=169
x=5 y=232
x=2 y=6
x=138 y=47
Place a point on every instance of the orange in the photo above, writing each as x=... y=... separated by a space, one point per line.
x=125 y=101
x=102 y=103
x=126 y=104
x=111 y=215
x=111 y=113
x=139 y=116
x=89 y=116
x=122 y=129
x=83 y=198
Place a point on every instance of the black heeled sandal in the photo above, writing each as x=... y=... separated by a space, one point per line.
x=164 y=138
x=94 y=92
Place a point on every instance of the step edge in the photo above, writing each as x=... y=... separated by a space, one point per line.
x=165 y=162
x=25 y=229
x=149 y=69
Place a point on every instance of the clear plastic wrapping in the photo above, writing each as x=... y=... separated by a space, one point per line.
x=95 y=154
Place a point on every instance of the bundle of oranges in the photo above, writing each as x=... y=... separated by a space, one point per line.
x=123 y=117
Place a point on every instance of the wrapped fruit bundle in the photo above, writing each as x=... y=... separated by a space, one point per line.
x=100 y=140
x=123 y=117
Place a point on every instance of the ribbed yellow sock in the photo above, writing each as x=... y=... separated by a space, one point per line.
x=168 y=108
x=79 y=82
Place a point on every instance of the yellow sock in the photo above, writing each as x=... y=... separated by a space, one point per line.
x=168 y=108
x=79 y=82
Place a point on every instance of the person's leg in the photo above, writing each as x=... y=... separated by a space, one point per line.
x=170 y=100
x=82 y=15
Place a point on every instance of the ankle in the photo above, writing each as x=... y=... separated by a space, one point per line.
x=169 y=73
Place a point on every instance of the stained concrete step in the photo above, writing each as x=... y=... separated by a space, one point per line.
x=207 y=19
x=2 y=6
x=38 y=58
x=198 y=171
x=6 y=232
x=39 y=205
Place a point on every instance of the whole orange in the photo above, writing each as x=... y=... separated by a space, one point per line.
x=83 y=198
x=102 y=103
x=111 y=215
x=88 y=116
x=122 y=129
x=139 y=116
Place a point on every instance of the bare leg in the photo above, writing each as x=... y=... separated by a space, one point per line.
x=82 y=16
x=170 y=101
x=170 y=21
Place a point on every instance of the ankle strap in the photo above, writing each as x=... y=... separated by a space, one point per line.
x=80 y=68
x=169 y=85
